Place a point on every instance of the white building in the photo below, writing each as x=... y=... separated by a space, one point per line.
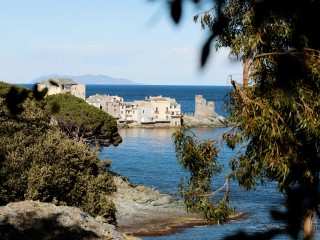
x=152 y=110
x=109 y=104
x=63 y=85
x=166 y=110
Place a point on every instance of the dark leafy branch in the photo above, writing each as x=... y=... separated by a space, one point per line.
x=276 y=106
x=200 y=159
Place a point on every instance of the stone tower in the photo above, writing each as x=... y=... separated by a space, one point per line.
x=202 y=108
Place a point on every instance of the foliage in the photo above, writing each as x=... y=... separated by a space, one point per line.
x=14 y=96
x=82 y=122
x=200 y=159
x=39 y=162
x=276 y=106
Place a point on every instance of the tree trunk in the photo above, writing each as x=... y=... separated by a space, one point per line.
x=245 y=72
x=308 y=225
x=80 y=135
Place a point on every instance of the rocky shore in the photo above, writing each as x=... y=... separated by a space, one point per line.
x=145 y=211
x=214 y=120
x=37 y=220
x=142 y=211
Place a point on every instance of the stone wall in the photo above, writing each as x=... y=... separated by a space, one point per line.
x=203 y=108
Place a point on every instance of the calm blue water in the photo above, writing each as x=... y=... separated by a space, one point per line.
x=146 y=156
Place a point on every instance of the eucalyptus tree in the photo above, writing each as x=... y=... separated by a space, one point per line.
x=276 y=106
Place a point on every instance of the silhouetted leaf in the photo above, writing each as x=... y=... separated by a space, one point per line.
x=195 y=18
x=39 y=95
x=14 y=99
x=176 y=10
x=206 y=51
x=54 y=83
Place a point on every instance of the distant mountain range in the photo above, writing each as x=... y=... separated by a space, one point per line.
x=90 y=79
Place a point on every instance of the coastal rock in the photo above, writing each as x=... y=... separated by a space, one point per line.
x=144 y=211
x=214 y=120
x=162 y=201
x=139 y=194
x=140 y=211
x=38 y=220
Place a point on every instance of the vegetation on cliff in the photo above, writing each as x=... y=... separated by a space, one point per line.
x=82 y=122
x=39 y=162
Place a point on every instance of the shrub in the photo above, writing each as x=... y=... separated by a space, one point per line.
x=39 y=162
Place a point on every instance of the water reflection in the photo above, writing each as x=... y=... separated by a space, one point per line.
x=149 y=133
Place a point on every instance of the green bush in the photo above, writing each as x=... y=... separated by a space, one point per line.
x=39 y=162
x=82 y=122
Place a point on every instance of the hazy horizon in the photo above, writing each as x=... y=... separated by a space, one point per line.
x=135 y=40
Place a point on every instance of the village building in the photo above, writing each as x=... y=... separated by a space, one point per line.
x=94 y=102
x=152 y=110
x=63 y=85
x=129 y=112
x=166 y=110
x=109 y=104
x=147 y=114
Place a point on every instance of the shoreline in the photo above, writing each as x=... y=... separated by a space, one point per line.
x=167 y=227
x=212 y=121
x=144 y=211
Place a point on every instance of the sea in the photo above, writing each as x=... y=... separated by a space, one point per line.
x=147 y=157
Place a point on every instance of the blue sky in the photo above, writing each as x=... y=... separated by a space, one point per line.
x=133 y=39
